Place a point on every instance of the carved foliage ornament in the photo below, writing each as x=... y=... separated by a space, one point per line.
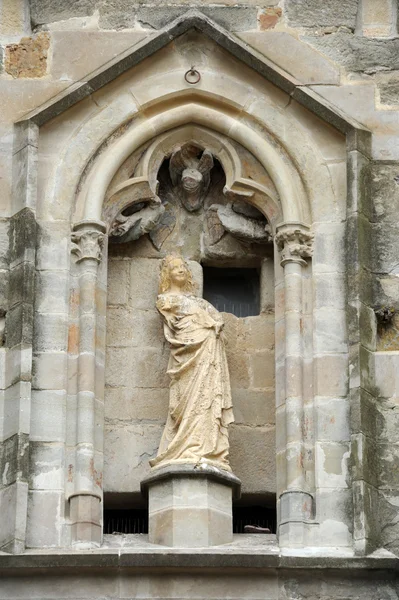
x=87 y=244
x=295 y=243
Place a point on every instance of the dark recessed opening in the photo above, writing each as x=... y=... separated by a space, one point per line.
x=233 y=290
x=136 y=520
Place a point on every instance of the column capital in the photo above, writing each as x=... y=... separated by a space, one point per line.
x=88 y=240
x=294 y=241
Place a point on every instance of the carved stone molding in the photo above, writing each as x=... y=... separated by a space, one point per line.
x=88 y=240
x=295 y=242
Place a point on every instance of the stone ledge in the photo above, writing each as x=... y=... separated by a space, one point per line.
x=264 y=556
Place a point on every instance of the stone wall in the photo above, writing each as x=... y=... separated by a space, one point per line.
x=137 y=387
x=343 y=52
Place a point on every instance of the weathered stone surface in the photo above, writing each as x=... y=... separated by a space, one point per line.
x=233 y=18
x=48 y=11
x=358 y=53
x=312 y=13
x=28 y=58
x=294 y=56
x=257 y=476
x=115 y=14
x=139 y=442
x=269 y=17
x=77 y=53
x=389 y=90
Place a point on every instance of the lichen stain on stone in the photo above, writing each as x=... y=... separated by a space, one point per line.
x=28 y=58
x=70 y=473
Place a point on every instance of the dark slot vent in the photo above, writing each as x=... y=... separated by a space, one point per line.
x=126 y=521
x=253 y=515
x=136 y=521
x=233 y=290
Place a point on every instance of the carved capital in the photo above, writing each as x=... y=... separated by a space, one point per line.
x=88 y=240
x=295 y=242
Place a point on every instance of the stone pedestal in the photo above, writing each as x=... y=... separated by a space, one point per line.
x=190 y=507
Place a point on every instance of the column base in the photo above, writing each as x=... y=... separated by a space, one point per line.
x=85 y=515
x=297 y=528
x=190 y=507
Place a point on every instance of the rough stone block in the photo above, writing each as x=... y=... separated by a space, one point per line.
x=7 y=511
x=4 y=245
x=137 y=367
x=22 y=237
x=127 y=450
x=329 y=248
x=258 y=333
x=48 y=11
x=44 y=519
x=49 y=371
x=312 y=13
x=51 y=332
x=296 y=58
x=118 y=282
x=332 y=419
x=77 y=53
x=232 y=18
x=127 y=404
x=253 y=456
x=47 y=466
x=262 y=369
x=332 y=459
x=253 y=407
x=53 y=245
x=357 y=53
x=28 y=58
x=330 y=330
x=331 y=375
x=48 y=416
x=52 y=292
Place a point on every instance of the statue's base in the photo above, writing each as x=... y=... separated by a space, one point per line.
x=190 y=506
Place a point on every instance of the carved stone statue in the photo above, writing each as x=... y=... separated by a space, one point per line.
x=191 y=175
x=200 y=407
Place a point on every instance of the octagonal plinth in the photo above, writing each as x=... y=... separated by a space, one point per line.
x=190 y=507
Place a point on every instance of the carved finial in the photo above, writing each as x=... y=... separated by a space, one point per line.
x=88 y=240
x=295 y=242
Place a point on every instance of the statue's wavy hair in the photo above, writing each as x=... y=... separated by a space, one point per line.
x=164 y=275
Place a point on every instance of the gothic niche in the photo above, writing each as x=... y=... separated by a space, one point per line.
x=201 y=200
x=193 y=201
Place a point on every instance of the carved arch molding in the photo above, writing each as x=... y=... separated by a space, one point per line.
x=262 y=201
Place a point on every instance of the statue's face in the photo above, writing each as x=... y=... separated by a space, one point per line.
x=178 y=272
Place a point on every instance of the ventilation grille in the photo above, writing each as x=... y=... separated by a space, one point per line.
x=136 y=521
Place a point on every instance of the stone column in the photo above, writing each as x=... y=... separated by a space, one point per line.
x=85 y=502
x=294 y=242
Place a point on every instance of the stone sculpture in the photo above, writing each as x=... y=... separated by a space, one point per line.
x=190 y=175
x=200 y=407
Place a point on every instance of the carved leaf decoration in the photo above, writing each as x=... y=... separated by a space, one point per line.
x=215 y=227
x=164 y=228
x=244 y=228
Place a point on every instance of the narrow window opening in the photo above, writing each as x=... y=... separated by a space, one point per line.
x=234 y=290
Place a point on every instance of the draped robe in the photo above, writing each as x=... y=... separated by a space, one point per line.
x=200 y=407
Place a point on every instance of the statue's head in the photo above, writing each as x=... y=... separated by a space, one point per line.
x=175 y=271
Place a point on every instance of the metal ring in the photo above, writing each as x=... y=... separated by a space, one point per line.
x=192 y=76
